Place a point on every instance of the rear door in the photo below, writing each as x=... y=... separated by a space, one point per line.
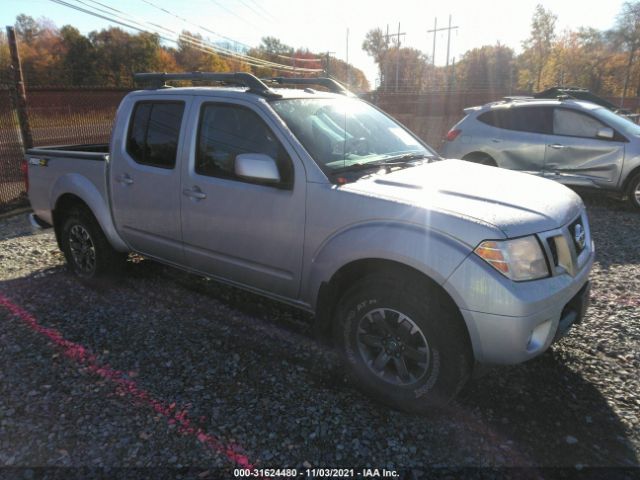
x=575 y=154
x=522 y=136
x=145 y=177
x=246 y=232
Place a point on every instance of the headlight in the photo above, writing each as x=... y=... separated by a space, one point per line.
x=518 y=259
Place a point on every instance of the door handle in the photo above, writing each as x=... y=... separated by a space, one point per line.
x=124 y=179
x=557 y=146
x=194 y=193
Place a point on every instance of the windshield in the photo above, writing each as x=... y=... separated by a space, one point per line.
x=623 y=125
x=340 y=133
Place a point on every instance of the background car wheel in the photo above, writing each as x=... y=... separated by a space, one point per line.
x=633 y=191
x=481 y=158
x=402 y=344
x=86 y=249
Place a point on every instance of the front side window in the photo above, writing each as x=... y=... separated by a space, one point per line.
x=341 y=133
x=575 y=124
x=154 y=133
x=226 y=131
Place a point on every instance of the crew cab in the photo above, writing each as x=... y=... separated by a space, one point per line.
x=418 y=269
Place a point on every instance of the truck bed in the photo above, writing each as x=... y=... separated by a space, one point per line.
x=54 y=171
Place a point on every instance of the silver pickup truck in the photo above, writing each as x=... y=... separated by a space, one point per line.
x=418 y=269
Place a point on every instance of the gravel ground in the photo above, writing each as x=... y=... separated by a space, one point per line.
x=171 y=371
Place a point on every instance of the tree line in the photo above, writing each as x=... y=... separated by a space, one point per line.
x=109 y=57
x=604 y=62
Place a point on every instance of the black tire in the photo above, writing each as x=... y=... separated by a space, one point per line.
x=446 y=365
x=88 y=252
x=481 y=158
x=633 y=191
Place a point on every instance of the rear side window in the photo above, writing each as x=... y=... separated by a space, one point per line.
x=523 y=119
x=226 y=131
x=154 y=133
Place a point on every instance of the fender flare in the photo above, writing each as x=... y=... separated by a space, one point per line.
x=431 y=252
x=85 y=190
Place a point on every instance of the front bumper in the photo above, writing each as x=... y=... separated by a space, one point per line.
x=510 y=322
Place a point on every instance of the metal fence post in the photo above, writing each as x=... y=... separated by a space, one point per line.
x=20 y=95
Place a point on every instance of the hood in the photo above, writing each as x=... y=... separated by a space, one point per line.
x=516 y=203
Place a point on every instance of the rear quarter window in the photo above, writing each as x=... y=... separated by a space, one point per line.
x=522 y=119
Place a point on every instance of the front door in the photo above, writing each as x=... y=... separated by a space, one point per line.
x=575 y=154
x=145 y=178
x=245 y=232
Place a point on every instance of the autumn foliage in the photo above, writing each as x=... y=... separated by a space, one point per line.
x=54 y=56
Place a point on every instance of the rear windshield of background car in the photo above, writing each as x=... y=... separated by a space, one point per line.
x=523 y=119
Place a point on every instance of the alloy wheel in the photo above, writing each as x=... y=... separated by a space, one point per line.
x=393 y=346
x=82 y=249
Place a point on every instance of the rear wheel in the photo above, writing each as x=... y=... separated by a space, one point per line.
x=86 y=249
x=633 y=191
x=402 y=344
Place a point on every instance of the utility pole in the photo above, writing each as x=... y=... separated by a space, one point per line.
x=347 y=55
x=20 y=95
x=397 y=50
x=386 y=65
x=433 y=52
x=326 y=69
x=449 y=38
x=435 y=31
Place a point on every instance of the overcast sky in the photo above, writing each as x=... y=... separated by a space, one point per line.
x=322 y=26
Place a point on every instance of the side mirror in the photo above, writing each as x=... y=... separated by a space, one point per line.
x=606 y=133
x=257 y=166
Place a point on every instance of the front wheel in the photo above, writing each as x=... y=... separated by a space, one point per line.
x=401 y=344
x=86 y=249
x=633 y=191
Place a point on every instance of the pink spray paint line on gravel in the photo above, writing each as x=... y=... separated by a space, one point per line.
x=84 y=357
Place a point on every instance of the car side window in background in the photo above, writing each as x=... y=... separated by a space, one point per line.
x=523 y=119
x=575 y=124
x=154 y=133
x=226 y=131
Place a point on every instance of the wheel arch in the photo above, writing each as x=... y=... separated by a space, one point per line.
x=630 y=176
x=330 y=292
x=478 y=154
x=76 y=190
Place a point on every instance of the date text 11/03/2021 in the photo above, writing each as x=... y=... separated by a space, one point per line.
x=316 y=473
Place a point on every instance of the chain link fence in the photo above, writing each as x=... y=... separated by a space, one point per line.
x=84 y=115
x=12 y=188
x=58 y=116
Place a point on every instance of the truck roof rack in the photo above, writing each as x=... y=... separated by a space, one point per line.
x=329 y=83
x=255 y=85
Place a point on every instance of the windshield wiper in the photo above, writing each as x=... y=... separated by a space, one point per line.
x=393 y=161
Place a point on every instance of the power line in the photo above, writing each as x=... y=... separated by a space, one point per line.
x=215 y=2
x=263 y=10
x=198 y=43
x=254 y=11
x=191 y=23
x=168 y=12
